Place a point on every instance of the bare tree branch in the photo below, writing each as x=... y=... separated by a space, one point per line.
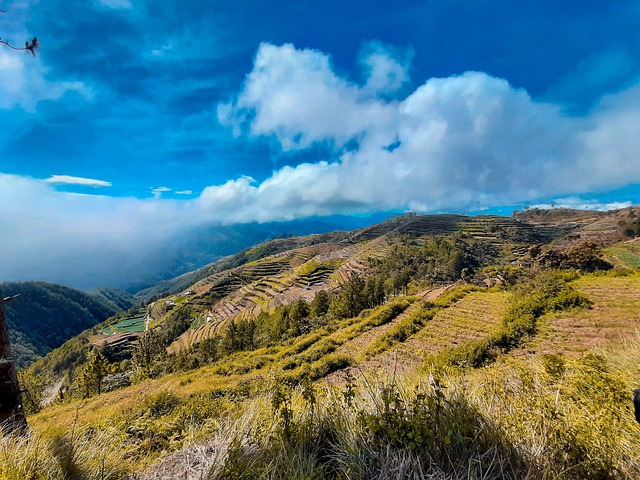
x=29 y=46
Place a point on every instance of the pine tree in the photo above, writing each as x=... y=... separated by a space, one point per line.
x=93 y=373
x=320 y=303
x=148 y=351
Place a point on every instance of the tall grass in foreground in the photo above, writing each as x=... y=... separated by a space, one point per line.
x=549 y=419
x=546 y=418
x=56 y=455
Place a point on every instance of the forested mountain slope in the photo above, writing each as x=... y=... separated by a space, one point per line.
x=45 y=315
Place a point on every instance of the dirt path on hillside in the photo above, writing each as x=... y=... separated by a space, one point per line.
x=193 y=463
x=434 y=293
x=52 y=393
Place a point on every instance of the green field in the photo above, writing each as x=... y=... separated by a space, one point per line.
x=128 y=325
x=626 y=255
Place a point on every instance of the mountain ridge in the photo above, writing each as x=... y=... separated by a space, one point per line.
x=454 y=304
x=45 y=315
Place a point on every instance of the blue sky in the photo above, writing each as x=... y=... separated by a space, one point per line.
x=174 y=115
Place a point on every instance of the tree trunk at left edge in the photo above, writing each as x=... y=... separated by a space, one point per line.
x=12 y=418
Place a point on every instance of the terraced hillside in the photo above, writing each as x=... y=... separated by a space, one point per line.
x=490 y=346
x=120 y=337
x=614 y=317
x=625 y=254
x=602 y=228
x=278 y=280
x=284 y=278
x=299 y=273
x=346 y=348
x=281 y=272
x=391 y=349
x=475 y=316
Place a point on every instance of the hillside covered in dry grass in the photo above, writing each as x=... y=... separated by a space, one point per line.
x=424 y=347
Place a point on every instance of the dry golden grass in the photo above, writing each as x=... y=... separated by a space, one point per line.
x=476 y=316
x=613 y=317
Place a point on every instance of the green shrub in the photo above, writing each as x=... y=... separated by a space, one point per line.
x=329 y=364
x=160 y=404
x=554 y=365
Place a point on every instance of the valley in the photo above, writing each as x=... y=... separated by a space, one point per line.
x=379 y=328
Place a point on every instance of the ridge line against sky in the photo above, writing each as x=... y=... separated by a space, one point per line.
x=182 y=115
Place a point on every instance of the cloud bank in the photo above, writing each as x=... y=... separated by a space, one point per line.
x=460 y=143
x=80 y=239
x=457 y=143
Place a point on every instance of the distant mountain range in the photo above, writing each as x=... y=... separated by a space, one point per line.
x=201 y=246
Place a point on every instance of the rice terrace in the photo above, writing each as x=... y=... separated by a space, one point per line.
x=422 y=336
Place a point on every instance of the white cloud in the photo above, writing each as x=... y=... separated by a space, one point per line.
x=158 y=191
x=184 y=192
x=578 y=203
x=69 y=180
x=24 y=77
x=294 y=96
x=457 y=143
x=386 y=68
x=290 y=193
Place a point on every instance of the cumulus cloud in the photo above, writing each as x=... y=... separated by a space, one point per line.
x=457 y=143
x=460 y=143
x=579 y=203
x=69 y=180
x=294 y=96
x=290 y=193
